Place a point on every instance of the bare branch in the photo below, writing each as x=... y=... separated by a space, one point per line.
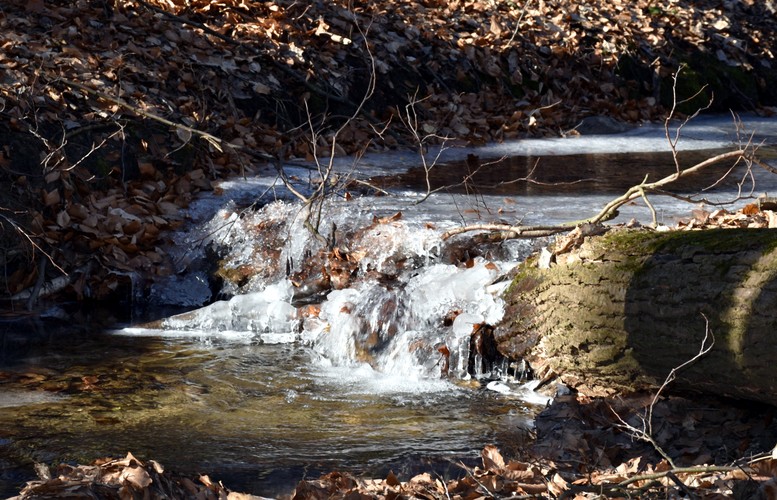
x=328 y=182
x=410 y=121
x=31 y=241
x=646 y=433
x=674 y=140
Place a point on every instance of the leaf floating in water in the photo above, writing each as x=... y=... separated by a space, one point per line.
x=89 y=382
x=391 y=218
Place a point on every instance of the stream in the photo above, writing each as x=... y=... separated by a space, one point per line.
x=348 y=352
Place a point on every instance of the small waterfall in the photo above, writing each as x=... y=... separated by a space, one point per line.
x=378 y=290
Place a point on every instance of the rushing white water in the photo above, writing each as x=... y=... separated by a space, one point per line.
x=391 y=295
x=404 y=296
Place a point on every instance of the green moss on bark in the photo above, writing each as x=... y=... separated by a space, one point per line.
x=636 y=304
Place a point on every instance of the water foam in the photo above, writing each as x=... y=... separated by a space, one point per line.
x=401 y=308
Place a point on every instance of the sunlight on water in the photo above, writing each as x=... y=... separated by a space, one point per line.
x=363 y=379
x=256 y=415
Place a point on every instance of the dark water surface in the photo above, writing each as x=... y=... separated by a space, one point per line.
x=609 y=173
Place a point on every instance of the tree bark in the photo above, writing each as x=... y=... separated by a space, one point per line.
x=619 y=313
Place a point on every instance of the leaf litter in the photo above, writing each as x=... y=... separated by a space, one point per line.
x=115 y=114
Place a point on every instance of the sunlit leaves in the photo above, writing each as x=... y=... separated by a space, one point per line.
x=238 y=69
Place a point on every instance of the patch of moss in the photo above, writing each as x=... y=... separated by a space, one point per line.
x=707 y=81
x=523 y=272
x=717 y=240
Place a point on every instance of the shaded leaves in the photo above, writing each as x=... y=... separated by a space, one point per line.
x=122 y=479
x=239 y=70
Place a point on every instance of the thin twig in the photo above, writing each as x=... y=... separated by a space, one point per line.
x=646 y=433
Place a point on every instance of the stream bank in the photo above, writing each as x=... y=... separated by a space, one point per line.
x=171 y=376
x=114 y=117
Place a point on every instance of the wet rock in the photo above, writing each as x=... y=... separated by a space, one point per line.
x=601 y=125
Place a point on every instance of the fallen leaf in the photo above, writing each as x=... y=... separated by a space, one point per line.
x=492 y=459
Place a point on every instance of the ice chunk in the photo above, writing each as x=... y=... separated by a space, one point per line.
x=261 y=312
x=465 y=323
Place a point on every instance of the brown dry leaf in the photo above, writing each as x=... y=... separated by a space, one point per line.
x=492 y=459
x=766 y=467
x=52 y=176
x=36 y=6
x=524 y=476
x=168 y=208
x=557 y=485
x=631 y=466
x=390 y=218
x=78 y=211
x=392 y=480
x=101 y=203
x=63 y=219
x=51 y=198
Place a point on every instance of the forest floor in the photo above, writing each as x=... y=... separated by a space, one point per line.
x=115 y=114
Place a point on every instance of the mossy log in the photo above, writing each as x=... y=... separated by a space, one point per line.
x=619 y=313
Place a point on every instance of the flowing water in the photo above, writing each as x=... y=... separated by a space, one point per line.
x=352 y=351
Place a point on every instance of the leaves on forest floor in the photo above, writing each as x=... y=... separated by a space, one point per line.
x=497 y=477
x=123 y=479
x=750 y=216
x=114 y=115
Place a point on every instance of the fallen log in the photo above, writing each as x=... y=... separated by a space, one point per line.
x=617 y=314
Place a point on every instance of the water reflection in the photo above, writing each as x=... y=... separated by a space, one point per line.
x=259 y=417
x=570 y=174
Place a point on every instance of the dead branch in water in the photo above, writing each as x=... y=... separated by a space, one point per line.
x=610 y=210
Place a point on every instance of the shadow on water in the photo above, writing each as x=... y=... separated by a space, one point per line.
x=568 y=174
